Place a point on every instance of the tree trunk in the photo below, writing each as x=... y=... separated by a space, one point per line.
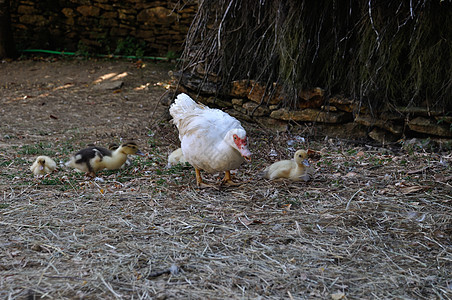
x=7 y=47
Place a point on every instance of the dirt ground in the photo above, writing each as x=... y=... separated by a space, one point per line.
x=373 y=223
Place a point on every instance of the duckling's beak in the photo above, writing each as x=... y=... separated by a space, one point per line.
x=140 y=153
x=306 y=163
x=41 y=167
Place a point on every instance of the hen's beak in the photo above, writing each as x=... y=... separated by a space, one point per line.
x=140 y=153
x=246 y=153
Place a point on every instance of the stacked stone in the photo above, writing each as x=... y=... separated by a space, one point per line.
x=248 y=101
x=98 y=24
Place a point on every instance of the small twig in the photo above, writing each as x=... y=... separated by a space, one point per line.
x=109 y=287
x=351 y=198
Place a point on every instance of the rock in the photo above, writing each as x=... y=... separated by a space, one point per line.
x=328 y=108
x=109 y=15
x=309 y=94
x=240 y=109
x=191 y=81
x=313 y=98
x=392 y=116
x=368 y=121
x=215 y=101
x=88 y=10
x=310 y=115
x=239 y=115
x=346 y=104
x=156 y=15
x=68 y=12
x=35 y=20
x=240 y=88
x=419 y=111
x=382 y=136
x=257 y=92
x=236 y=101
x=253 y=91
x=109 y=85
x=273 y=124
x=429 y=126
x=145 y=34
x=314 y=102
x=256 y=110
x=26 y=10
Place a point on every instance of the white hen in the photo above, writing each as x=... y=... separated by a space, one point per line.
x=211 y=140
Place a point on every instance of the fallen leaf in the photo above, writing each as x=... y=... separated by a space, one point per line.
x=247 y=221
x=411 y=189
x=338 y=296
x=350 y=174
x=418 y=170
x=314 y=154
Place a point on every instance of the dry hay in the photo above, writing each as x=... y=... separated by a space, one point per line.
x=373 y=223
x=373 y=231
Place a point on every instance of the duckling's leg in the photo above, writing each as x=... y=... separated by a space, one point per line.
x=90 y=174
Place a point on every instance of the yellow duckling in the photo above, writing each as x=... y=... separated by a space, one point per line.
x=93 y=159
x=43 y=165
x=295 y=169
x=176 y=157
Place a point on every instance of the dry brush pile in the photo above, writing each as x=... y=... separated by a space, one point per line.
x=372 y=223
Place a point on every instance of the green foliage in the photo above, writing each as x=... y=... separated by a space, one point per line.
x=130 y=46
x=37 y=149
x=82 y=49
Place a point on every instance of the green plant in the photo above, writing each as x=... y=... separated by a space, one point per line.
x=130 y=46
x=36 y=149
x=171 y=55
x=50 y=181
x=82 y=49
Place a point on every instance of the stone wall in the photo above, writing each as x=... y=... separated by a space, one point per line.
x=327 y=115
x=128 y=27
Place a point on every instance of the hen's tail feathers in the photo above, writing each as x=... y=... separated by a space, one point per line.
x=182 y=106
x=183 y=103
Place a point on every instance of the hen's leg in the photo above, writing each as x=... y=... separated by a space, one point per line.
x=198 y=177
x=199 y=182
x=227 y=180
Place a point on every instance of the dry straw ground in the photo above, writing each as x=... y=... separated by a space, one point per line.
x=373 y=223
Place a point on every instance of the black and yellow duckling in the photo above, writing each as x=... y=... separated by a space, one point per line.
x=113 y=147
x=295 y=169
x=43 y=165
x=93 y=158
